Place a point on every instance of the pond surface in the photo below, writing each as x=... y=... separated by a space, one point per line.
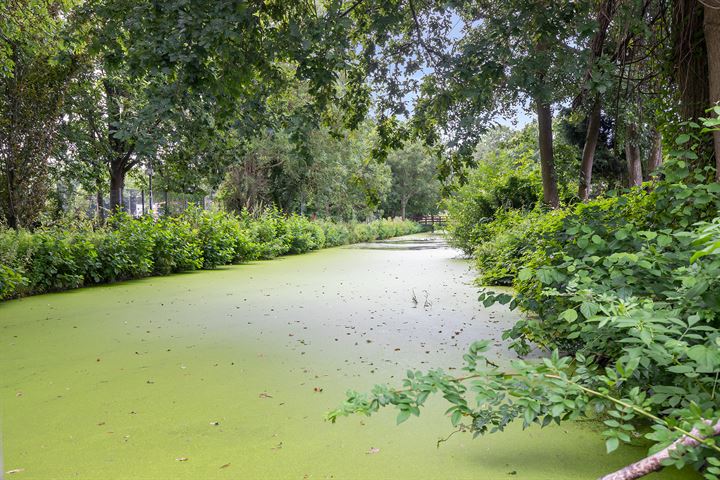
x=228 y=374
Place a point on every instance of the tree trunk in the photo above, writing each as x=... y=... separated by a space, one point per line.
x=690 y=57
x=403 y=206
x=150 y=193
x=547 y=163
x=100 y=206
x=117 y=183
x=712 y=42
x=655 y=159
x=632 y=154
x=588 y=154
x=653 y=463
x=10 y=214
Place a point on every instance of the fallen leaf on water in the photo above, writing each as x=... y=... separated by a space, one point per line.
x=182 y=459
x=265 y=395
x=225 y=466
x=15 y=470
x=372 y=451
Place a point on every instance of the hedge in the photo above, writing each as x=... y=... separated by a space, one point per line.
x=60 y=258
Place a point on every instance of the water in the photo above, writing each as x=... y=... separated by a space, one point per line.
x=228 y=374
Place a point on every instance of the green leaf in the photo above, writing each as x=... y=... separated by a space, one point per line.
x=706 y=358
x=525 y=274
x=681 y=139
x=569 y=315
x=611 y=444
x=402 y=416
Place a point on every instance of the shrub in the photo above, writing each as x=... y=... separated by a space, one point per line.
x=124 y=251
x=218 y=234
x=387 y=228
x=364 y=232
x=335 y=233
x=302 y=235
x=11 y=282
x=177 y=247
x=71 y=255
x=268 y=232
x=53 y=261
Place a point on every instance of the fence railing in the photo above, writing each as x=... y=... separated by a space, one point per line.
x=431 y=220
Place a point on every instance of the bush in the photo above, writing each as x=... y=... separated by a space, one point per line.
x=364 y=232
x=302 y=235
x=505 y=179
x=11 y=282
x=177 y=248
x=72 y=255
x=335 y=233
x=268 y=233
x=218 y=234
x=124 y=250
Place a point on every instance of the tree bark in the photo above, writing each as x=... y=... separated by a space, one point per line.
x=655 y=159
x=117 y=183
x=632 y=154
x=712 y=42
x=588 y=154
x=10 y=215
x=100 y=206
x=653 y=463
x=403 y=206
x=690 y=57
x=547 y=163
x=120 y=162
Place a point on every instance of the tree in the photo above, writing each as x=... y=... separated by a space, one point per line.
x=502 y=55
x=597 y=47
x=33 y=79
x=339 y=181
x=711 y=28
x=225 y=55
x=415 y=186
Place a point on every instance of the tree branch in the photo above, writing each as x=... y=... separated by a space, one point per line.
x=653 y=463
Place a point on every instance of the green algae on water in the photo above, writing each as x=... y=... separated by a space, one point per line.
x=228 y=374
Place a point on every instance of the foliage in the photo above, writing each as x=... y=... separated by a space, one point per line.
x=513 y=239
x=34 y=72
x=507 y=176
x=302 y=235
x=415 y=187
x=68 y=256
x=621 y=297
x=336 y=179
x=177 y=247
